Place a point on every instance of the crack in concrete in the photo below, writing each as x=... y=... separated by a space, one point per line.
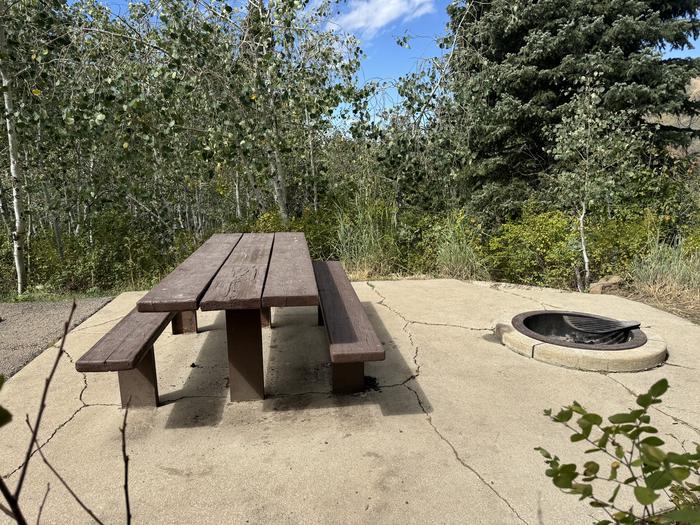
x=428 y=417
x=449 y=325
x=83 y=405
x=674 y=418
x=80 y=328
x=545 y=306
x=466 y=465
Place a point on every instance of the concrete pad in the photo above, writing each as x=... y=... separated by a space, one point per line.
x=446 y=437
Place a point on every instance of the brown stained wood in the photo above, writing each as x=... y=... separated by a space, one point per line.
x=185 y=322
x=290 y=277
x=184 y=286
x=139 y=387
x=266 y=317
x=125 y=345
x=350 y=333
x=348 y=377
x=239 y=283
x=245 y=355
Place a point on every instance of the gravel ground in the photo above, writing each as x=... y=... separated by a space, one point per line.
x=26 y=329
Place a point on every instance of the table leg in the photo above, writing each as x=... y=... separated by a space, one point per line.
x=245 y=355
x=266 y=317
x=139 y=386
x=185 y=322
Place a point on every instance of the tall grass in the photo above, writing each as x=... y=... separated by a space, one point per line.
x=456 y=255
x=367 y=240
x=669 y=274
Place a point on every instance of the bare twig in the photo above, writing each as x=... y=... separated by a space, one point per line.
x=63 y=481
x=5 y=510
x=126 y=467
x=43 y=502
x=15 y=510
x=42 y=406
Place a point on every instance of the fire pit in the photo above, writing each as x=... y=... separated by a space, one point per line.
x=583 y=341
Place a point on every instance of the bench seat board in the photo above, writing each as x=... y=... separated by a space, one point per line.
x=124 y=345
x=290 y=276
x=184 y=286
x=239 y=283
x=350 y=332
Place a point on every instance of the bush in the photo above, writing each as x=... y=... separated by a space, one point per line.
x=321 y=230
x=540 y=249
x=613 y=244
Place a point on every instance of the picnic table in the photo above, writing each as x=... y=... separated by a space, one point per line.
x=244 y=275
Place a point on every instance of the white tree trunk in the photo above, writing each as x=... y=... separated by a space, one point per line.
x=584 y=249
x=15 y=172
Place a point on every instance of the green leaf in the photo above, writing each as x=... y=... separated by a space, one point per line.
x=679 y=473
x=614 y=494
x=658 y=480
x=653 y=441
x=617 y=419
x=591 y=468
x=543 y=452
x=653 y=452
x=563 y=416
x=688 y=515
x=659 y=388
x=645 y=495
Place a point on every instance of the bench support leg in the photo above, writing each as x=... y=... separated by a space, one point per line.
x=245 y=354
x=266 y=317
x=139 y=387
x=348 y=377
x=185 y=322
x=320 y=316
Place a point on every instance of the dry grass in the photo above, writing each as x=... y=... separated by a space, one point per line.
x=681 y=302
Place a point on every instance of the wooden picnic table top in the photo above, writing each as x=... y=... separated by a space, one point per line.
x=239 y=271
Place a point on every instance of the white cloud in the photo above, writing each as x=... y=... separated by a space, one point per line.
x=369 y=16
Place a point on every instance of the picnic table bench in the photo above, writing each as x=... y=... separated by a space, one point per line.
x=244 y=275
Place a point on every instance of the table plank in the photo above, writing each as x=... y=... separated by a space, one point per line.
x=290 y=276
x=182 y=288
x=239 y=283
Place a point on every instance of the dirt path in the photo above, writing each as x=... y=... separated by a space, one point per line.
x=26 y=329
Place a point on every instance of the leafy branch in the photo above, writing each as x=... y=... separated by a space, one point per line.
x=632 y=446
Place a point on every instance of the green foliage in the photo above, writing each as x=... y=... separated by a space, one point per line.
x=670 y=267
x=637 y=465
x=367 y=239
x=321 y=230
x=614 y=244
x=538 y=249
x=456 y=248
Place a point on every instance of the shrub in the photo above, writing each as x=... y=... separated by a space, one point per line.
x=321 y=230
x=540 y=249
x=613 y=244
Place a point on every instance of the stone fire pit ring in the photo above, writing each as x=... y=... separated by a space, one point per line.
x=644 y=350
